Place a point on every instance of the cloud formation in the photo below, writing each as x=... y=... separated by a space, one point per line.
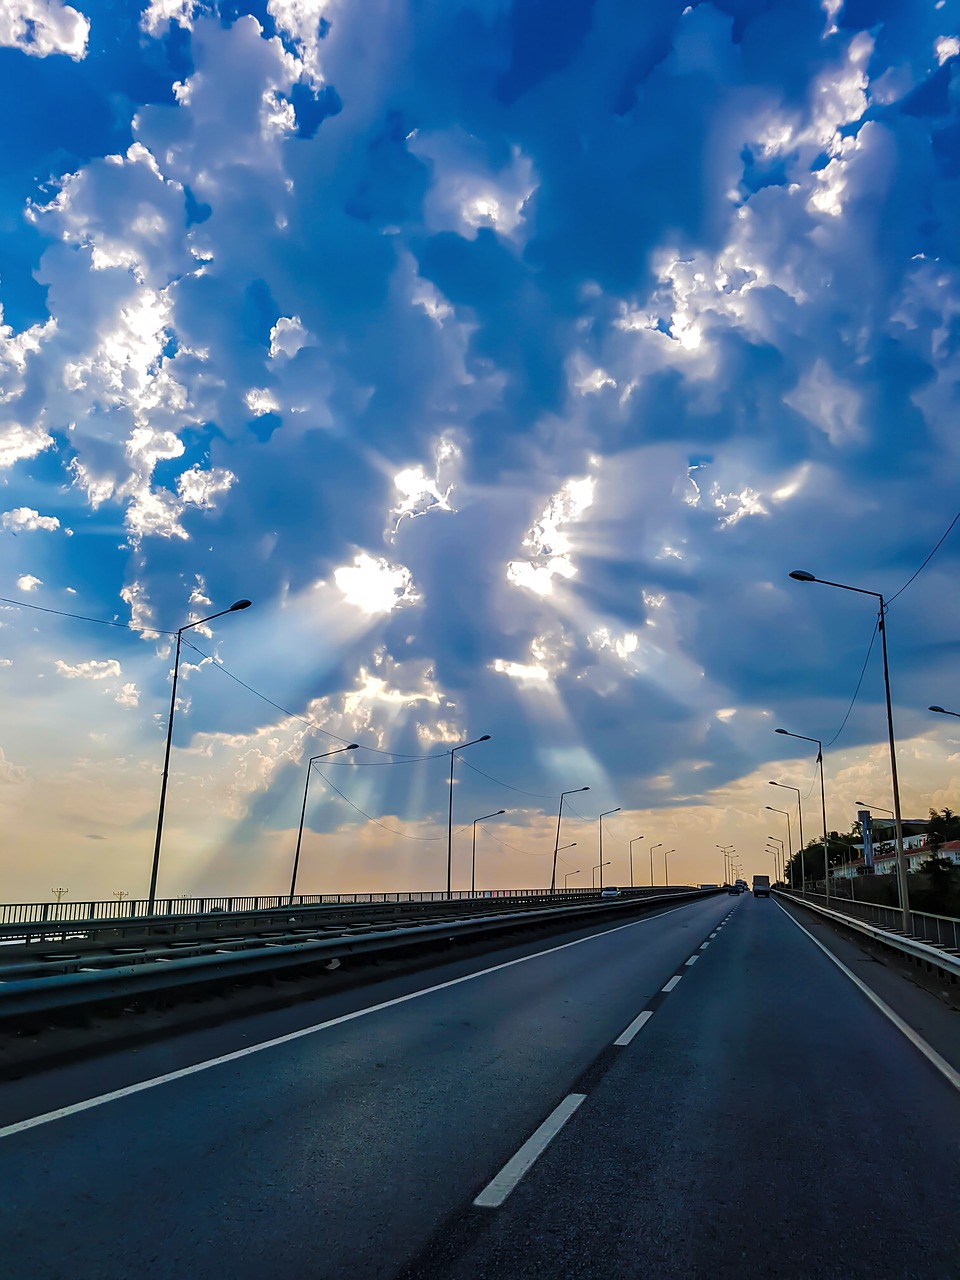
x=508 y=365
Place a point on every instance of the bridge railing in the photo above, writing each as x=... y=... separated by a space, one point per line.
x=941 y=931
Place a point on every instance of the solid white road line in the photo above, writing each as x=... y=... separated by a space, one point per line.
x=495 y=1192
x=626 y=1036
x=693 y=959
x=946 y=1070
x=115 y=1095
x=673 y=982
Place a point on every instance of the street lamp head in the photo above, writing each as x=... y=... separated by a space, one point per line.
x=583 y=788
x=354 y=746
x=800 y=575
x=786 y=731
x=498 y=813
x=940 y=709
x=239 y=604
x=485 y=738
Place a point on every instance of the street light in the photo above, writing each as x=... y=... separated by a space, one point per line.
x=789 y=836
x=155 y=869
x=823 y=803
x=473 y=860
x=726 y=850
x=310 y=763
x=568 y=875
x=453 y=756
x=556 y=843
x=803 y=870
x=603 y=864
x=632 y=843
x=652 y=847
x=942 y=711
x=666 y=880
x=801 y=575
x=593 y=876
x=780 y=850
x=880 y=809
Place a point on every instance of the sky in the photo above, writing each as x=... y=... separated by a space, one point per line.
x=507 y=355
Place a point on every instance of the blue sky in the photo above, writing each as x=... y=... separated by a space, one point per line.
x=507 y=356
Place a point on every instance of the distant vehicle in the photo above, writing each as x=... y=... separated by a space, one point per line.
x=708 y=886
x=761 y=886
x=743 y=885
x=610 y=892
x=734 y=888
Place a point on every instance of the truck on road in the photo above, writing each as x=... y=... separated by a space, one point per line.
x=761 y=886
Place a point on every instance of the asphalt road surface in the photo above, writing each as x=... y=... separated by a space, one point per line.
x=760 y=1117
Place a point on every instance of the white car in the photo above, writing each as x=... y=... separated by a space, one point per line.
x=609 y=892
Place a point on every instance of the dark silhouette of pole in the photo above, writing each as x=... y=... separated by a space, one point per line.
x=602 y=863
x=306 y=786
x=803 y=869
x=155 y=869
x=632 y=843
x=453 y=756
x=556 y=843
x=473 y=860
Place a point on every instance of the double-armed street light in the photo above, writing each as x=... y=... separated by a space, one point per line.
x=155 y=869
x=603 y=864
x=803 y=870
x=354 y=746
x=453 y=755
x=556 y=843
x=473 y=859
x=599 y=867
x=632 y=843
x=800 y=575
x=789 y=835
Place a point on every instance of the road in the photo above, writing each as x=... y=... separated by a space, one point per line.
x=764 y=1120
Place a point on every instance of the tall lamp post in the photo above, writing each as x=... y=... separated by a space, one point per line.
x=789 y=836
x=306 y=786
x=453 y=755
x=556 y=843
x=632 y=843
x=155 y=869
x=567 y=877
x=803 y=873
x=726 y=850
x=563 y=848
x=823 y=803
x=599 y=867
x=800 y=575
x=473 y=858
x=602 y=863
x=776 y=848
x=666 y=879
x=652 y=847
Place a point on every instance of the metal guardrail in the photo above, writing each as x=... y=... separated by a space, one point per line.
x=132 y=908
x=941 y=931
x=945 y=960
x=90 y=986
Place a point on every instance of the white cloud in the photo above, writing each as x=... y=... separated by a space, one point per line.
x=946 y=47
x=199 y=488
x=259 y=400
x=129 y=696
x=287 y=337
x=42 y=27
x=18 y=443
x=160 y=13
x=92 y=670
x=375 y=586
x=28 y=582
x=25 y=519
x=548 y=545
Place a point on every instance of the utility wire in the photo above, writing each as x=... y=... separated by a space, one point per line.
x=536 y=794
x=376 y=821
x=928 y=559
x=856 y=692
x=527 y=853
x=82 y=617
x=399 y=758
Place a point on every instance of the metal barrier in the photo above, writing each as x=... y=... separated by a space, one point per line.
x=127 y=977
x=131 y=908
x=942 y=958
x=941 y=931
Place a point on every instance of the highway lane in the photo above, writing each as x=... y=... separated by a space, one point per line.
x=768 y=1121
x=338 y=1153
